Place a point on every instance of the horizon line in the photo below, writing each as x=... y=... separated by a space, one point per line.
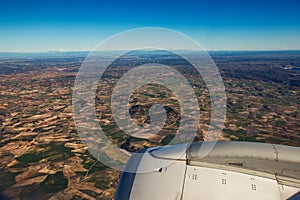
x=115 y=50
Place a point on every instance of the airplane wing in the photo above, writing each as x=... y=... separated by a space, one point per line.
x=231 y=170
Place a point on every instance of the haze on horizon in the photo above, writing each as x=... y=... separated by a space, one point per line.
x=41 y=26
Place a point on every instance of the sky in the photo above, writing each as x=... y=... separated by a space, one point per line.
x=79 y=25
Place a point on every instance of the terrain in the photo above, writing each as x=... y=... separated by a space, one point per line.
x=43 y=157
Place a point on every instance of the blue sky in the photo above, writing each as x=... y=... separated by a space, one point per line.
x=34 y=26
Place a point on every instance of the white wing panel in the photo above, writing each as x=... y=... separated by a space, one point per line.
x=216 y=184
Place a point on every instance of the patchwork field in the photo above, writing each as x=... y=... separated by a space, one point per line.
x=42 y=156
